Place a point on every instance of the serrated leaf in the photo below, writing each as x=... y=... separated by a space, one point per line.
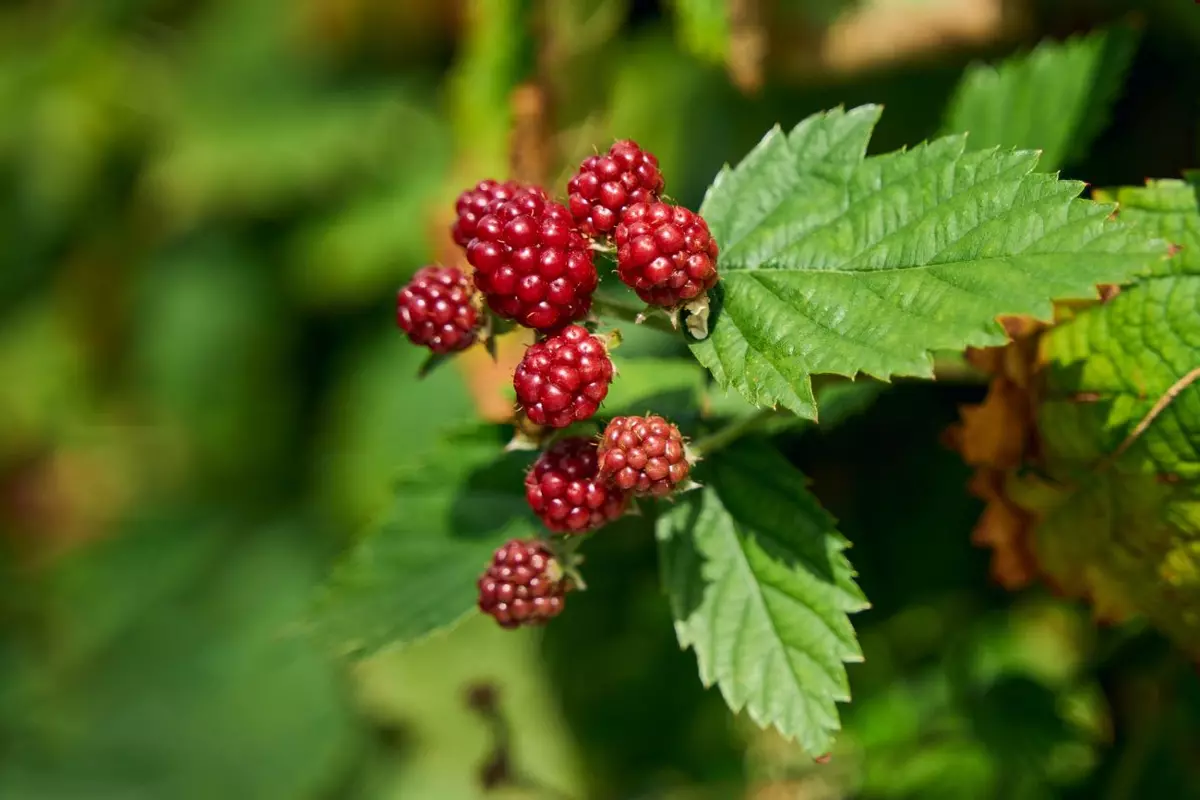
x=1124 y=528
x=415 y=571
x=760 y=589
x=836 y=263
x=1055 y=98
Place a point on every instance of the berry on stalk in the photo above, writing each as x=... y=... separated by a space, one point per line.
x=524 y=584
x=564 y=378
x=665 y=253
x=436 y=309
x=643 y=455
x=531 y=263
x=564 y=488
x=475 y=203
x=606 y=185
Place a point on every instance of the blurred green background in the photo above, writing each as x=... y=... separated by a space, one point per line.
x=205 y=209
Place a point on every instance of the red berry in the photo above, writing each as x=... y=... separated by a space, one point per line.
x=643 y=455
x=564 y=378
x=474 y=204
x=437 y=310
x=606 y=185
x=565 y=490
x=665 y=253
x=524 y=585
x=531 y=263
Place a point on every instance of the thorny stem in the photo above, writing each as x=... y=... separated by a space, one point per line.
x=730 y=433
x=629 y=313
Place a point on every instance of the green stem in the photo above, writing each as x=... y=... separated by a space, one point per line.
x=613 y=308
x=730 y=433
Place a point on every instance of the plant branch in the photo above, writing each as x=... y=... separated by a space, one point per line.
x=613 y=308
x=730 y=433
x=1168 y=396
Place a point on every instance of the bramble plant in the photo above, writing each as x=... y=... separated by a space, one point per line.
x=808 y=258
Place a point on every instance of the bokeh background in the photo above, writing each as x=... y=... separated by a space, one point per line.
x=206 y=207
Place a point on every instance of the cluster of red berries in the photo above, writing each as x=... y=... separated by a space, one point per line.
x=532 y=262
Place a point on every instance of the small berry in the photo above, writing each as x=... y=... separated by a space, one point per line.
x=524 y=584
x=665 y=253
x=564 y=378
x=437 y=309
x=531 y=263
x=474 y=204
x=606 y=185
x=565 y=491
x=643 y=455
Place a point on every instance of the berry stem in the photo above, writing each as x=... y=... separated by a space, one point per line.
x=730 y=433
x=612 y=308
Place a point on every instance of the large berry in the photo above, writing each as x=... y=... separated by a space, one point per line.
x=665 y=253
x=565 y=490
x=606 y=185
x=524 y=584
x=531 y=262
x=643 y=455
x=475 y=203
x=564 y=378
x=437 y=309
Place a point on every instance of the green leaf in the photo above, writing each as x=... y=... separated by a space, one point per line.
x=760 y=589
x=1123 y=523
x=204 y=690
x=415 y=572
x=1056 y=98
x=836 y=263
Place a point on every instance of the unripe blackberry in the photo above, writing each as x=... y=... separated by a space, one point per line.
x=475 y=203
x=564 y=488
x=524 y=584
x=665 y=253
x=643 y=455
x=564 y=378
x=436 y=309
x=531 y=262
x=606 y=185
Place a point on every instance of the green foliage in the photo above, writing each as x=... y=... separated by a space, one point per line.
x=835 y=264
x=178 y=621
x=1109 y=368
x=415 y=572
x=760 y=589
x=1055 y=99
x=206 y=209
x=703 y=27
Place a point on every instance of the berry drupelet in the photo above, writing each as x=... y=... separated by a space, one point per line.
x=564 y=488
x=606 y=185
x=564 y=378
x=524 y=584
x=475 y=203
x=437 y=309
x=643 y=455
x=665 y=253
x=531 y=262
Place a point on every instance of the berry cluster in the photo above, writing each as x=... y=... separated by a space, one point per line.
x=533 y=264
